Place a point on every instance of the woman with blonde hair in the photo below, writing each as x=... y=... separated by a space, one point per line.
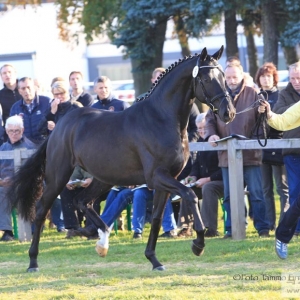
x=60 y=105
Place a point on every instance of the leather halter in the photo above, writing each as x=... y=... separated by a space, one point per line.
x=197 y=77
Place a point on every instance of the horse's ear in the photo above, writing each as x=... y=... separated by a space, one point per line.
x=203 y=54
x=218 y=54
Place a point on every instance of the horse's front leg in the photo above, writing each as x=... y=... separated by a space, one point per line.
x=164 y=181
x=159 y=203
x=41 y=212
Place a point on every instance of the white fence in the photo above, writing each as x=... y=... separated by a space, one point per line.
x=236 y=180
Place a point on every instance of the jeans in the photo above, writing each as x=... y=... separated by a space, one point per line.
x=292 y=164
x=253 y=179
x=280 y=178
x=5 y=211
x=287 y=226
x=141 y=198
x=116 y=202
x=56 y=214
x=72 y=216
x=168 y=222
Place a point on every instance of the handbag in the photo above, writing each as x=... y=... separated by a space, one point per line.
x=272 y=157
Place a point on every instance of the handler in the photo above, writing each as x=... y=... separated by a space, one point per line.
x=290 y=119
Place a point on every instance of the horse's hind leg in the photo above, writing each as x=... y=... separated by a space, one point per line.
x=159 y=203
x=55 y=182
x=93 y=191
x=42 y=208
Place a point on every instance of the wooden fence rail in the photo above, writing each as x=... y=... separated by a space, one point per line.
x=236 y=180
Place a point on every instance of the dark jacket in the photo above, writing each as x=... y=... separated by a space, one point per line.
x=111 y=104
x=206 y=165
x=288 y=97
x=7 y=165
x=7 y=99
x=41 y=105
x=242 y=124
x=62 y=109
x=272 y=97
x=85 y=99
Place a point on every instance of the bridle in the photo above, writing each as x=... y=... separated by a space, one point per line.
x=197 y=78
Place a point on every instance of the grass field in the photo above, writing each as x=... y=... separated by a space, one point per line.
x=71 y=269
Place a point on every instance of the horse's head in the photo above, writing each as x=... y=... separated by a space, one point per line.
x=209 y=85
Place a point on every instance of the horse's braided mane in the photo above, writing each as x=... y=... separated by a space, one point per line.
x=163 y=74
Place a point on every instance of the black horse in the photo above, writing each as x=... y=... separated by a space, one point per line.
x=146 y=143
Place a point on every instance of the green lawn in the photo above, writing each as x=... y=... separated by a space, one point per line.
x=71 y=269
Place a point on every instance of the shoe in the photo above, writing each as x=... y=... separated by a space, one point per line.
x=62 y=230
x=72 y=233
x=6 y=237
x=89 y=231
x=168 y=234
x=227 y=235
x=264 y=234
x=93 y=237
x=211 y=233
x=281 y=249
x=137 y=235
x=185 y=232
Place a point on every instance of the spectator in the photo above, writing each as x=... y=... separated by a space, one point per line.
x=209 y=187
x=141 y=209
x=73 y=217
x=77 y=92
x=31 y=108
x=103 y=89
x=9 y=94
x=243 y=97
x=291 y=156
x=14 y=128
x=267 y=79
x=60 y=105
x=289 y=120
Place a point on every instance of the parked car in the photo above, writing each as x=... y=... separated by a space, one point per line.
x=283 y=79
x=124 y=90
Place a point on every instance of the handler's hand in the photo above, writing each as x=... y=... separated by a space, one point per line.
x=212 y=140
x=265 y=106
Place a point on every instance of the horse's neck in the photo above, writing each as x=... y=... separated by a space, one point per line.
x=174 y=99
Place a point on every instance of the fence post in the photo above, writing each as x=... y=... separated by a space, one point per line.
x=236 y=187
x=23 y=227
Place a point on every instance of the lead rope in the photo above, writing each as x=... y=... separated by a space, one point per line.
x=261 y=121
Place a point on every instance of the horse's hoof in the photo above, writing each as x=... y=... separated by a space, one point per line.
x=101 y=250
x=31 y=270
x=160 y=268
x=198 y=251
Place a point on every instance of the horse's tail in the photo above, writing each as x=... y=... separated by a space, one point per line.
x=27 y=184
